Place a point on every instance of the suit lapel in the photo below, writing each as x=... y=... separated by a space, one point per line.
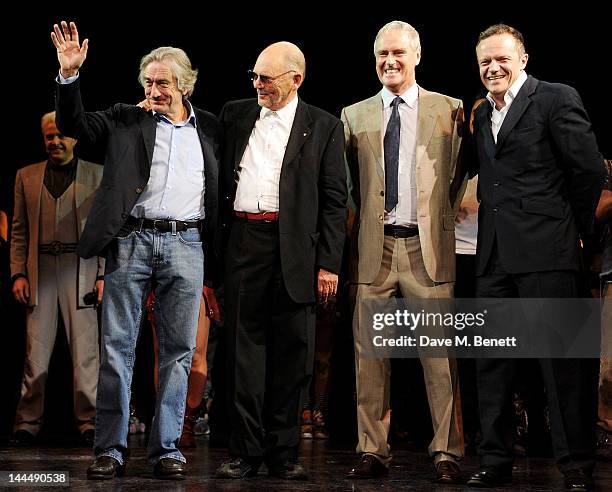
x=516 y=110
x=33 y=196
x=244 y=128
x=208 y=146
x=426 y=122
x=300 y=131
x=148 y=127
x=373 y=124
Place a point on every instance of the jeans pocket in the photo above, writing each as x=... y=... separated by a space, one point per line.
x=190 y=236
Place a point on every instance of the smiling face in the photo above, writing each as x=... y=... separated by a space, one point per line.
x=281 y=80
x=161 y=90
x=59 y=148
x=396 y=61
x=500 y=60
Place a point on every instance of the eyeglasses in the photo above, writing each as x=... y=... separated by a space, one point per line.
x=265 y=79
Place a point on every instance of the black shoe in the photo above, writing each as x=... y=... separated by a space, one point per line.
x=490 y=476
x=87 y=437
x=105 y=468
x=368 y=467
x=238 y=468
x=170 y=469
x=288 y=471
x=578 y=480
x=23 y=437
x=448 y=472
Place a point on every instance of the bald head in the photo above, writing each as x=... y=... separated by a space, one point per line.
x=284 y=56
x=280 y=70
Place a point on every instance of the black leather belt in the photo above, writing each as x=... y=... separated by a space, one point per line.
x=401 y=231
x=163 y=225
x=57 y=248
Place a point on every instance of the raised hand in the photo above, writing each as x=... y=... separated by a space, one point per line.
x=70 y=53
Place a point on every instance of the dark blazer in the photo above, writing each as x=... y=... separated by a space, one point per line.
x=540 y=184
x=127 y=135
x=313 y=193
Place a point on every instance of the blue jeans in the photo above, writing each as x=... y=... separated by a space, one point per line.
x=174 y=264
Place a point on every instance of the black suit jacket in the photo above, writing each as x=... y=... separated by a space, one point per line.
x=539 y=185
x=126 y=134
x=313 y=193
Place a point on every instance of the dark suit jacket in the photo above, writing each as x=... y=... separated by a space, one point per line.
x=127 y=135
x=539 y=185
x=313 y=194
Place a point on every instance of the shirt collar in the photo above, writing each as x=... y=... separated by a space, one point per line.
x=191 y=120
x=286 y=113
x=410 y=96
x=511 y=93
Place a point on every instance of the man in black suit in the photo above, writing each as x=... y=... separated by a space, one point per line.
x=285 y=195
x=154 y=220
x=540 y=176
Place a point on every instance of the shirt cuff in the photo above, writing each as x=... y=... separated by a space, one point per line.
x=16 y=276
x=61 y=80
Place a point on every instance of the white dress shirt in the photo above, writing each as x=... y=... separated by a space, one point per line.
x=260 y=167
x=498 y=116
x=405 y=212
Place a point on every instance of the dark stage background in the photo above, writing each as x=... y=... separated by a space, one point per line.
x=223 y=41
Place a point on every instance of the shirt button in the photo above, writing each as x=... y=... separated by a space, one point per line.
x=382 y=193
x=496 y=210
x=496 y=184
x=380 y=217
x=139 y=190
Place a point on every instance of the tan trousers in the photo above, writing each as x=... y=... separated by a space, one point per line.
x=57 y=286
x=403 y=273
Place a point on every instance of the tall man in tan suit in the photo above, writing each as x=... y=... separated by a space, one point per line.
x=52 y=201
x=403 y=241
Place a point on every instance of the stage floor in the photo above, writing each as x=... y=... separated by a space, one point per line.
x=326 y=465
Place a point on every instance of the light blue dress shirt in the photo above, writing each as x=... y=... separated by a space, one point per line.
x=176 y=184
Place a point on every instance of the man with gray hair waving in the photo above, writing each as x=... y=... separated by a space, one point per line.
x=154 y=222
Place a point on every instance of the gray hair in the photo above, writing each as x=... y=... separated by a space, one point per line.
x=415 y=40
x=178 y=60
x=47 y=118
x=296 y=61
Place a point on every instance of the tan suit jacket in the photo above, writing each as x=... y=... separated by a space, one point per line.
x=438 y=185
x=24 y=236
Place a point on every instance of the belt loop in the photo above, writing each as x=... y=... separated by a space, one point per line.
x=173 y=224
x=140 y=223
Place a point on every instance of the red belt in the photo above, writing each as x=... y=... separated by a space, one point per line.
x=267 y=216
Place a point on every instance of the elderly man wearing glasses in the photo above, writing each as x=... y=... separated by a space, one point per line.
x=284 y=194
